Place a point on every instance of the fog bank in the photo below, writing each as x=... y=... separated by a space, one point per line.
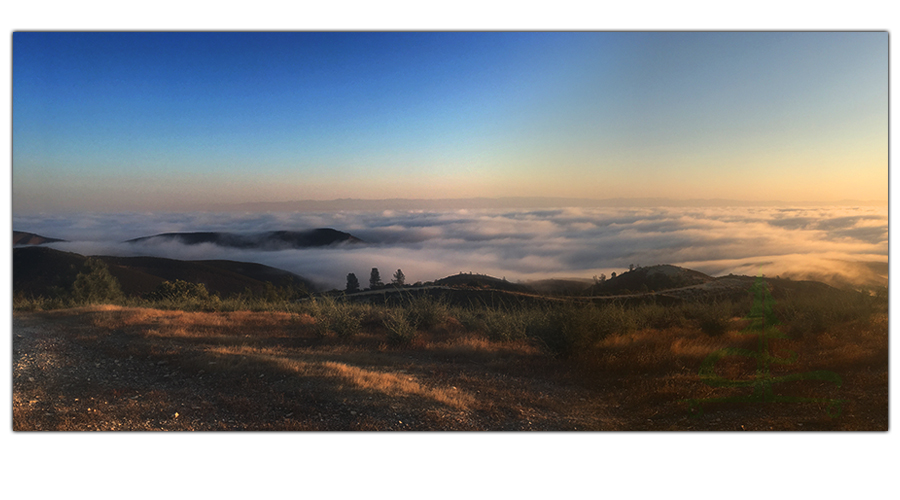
x=520 y=244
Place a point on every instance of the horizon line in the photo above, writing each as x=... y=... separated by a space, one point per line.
x=475 y=203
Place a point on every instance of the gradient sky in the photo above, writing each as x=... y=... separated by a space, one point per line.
x=180 y=121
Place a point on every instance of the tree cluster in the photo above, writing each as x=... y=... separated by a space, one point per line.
x=375 y=282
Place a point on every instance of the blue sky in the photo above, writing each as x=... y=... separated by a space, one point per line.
x=144 y=121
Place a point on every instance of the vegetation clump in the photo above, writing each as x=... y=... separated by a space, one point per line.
x=400 y=330
x=179 y=290
x=340 y=318
x=95 y=285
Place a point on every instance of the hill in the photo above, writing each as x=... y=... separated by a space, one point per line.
x=272 y=240
x=560 y=286
x=23 y=238
x=649 y=279
x=482 y=282
x=36 y=270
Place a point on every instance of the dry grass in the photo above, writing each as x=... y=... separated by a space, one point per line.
x=275 y=370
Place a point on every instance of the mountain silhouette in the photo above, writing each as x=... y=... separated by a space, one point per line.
x=272 y=240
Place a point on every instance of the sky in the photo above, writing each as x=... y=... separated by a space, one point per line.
x=114 y=122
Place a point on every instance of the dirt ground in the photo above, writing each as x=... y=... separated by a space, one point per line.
x=139 y=370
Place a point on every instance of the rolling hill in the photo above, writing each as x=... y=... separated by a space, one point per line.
x=649 y=279
x=272 y=240
x=36 y=270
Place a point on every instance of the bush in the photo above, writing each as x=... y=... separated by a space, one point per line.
x=569 y=328
x=658 y=316
x=804 y=314
x=179 y=291
x=400 y=329
x=341 y=318
x=95 y=285
x=426 y=313
x=713 y=318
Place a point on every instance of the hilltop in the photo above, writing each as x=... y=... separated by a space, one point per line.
x=482 y=282
x=271 y=240
x=649 y=279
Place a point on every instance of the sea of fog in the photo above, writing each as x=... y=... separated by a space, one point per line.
x=519 y=245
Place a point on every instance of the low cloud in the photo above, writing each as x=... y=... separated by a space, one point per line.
x=516 y=244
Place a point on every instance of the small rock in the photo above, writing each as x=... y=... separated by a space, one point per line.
x=354 y=413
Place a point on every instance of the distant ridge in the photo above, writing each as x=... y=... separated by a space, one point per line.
x=351 y=204
x=272 y=240
x=23 y=238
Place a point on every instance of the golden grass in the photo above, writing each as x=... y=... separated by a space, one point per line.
x=168 y=323
x=390 y=383
x=465 y=345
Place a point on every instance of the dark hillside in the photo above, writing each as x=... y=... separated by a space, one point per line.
x=571 y=286
x=37 y=269
x=273 y=240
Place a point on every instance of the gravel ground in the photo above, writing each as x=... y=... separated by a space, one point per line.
x=68 y=377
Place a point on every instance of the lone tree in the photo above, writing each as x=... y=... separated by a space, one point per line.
x=399 y=278
x=352 y=283
x=375 y=279
x=95 y=285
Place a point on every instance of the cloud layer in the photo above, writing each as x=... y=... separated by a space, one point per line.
x=516 y=244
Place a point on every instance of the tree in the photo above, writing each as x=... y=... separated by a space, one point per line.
x=95 y=285
x=352 y=283
x=375 y=279
x=399 y=278
x=613 y=275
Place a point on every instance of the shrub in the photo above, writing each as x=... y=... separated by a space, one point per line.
x=343 y=321
x=566 y=329
x=426 y=313
x=400 y=329
x=95 y=285
x=179 y=291
x=803 y=314
x=658 y=316
x=342 y=318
